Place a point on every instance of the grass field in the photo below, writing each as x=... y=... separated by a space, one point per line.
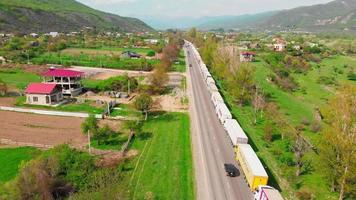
x=164 y=166
x=11 y=158
x=295 y=106
x=115 y=51
x=181 y=67
x=106 y=61
x=18 y=78
x=125 y=111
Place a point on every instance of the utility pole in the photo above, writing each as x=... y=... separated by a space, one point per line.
x=89 y=142
x=128 y=87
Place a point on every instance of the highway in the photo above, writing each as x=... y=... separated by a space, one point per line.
x=211 y=145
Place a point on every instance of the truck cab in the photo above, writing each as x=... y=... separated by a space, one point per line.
x=265 y=192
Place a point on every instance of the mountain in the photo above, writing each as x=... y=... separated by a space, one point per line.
x=234 y=22
x=334 y=16
x=27 y=16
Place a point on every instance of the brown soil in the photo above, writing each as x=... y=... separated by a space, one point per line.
x=41 y=129
x=7 y=101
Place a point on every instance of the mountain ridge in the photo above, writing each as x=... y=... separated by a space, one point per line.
x=27 y=16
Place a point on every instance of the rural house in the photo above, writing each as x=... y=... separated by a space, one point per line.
x=44 y=94
x=130 y=54
x=246 y=56
x=279 y=44
x=69 y=80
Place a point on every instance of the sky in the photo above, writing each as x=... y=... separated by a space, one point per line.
x=193 y=8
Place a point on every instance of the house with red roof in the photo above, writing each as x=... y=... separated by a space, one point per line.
x=247 y=56
x=69 y=80
x=44 y=94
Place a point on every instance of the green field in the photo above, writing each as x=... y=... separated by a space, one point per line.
x=181 y=67
x=125 y=111
x=11 y=158
x=18 y=78
x=106 y=61
x=115 y=51
x=164 y=165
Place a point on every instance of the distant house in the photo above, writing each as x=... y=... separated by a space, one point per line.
x=279 y=44
x=35 y=35
x=130 y=54
x=246 y=56
x=69 y=80
x=53 y=34
x=151 y=41
x=45 y=94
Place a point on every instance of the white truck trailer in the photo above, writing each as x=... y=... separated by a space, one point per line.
x=216 y=98
x=265 y=192
x=235 y=132
x=223 y=112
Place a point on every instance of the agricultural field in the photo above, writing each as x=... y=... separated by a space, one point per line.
x=164 y=165
x=106 y=61
x=41 y=129
x=114 y=51
x=18 y=78
x=181 y=66
x=11 y=159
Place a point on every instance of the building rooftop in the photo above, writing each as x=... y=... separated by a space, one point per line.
x=62 y=73
x=40 y=88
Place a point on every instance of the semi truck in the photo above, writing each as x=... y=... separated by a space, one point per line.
x=252 y=167
x=264 y=192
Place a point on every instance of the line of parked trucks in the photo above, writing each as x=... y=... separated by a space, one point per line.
x=255 y=173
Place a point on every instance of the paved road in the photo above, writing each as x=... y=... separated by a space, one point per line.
x=211 y=146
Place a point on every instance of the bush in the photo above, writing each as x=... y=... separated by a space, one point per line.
x=305 y=194
x=151 y=53
x=326 y=80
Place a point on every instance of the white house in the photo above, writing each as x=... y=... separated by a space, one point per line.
x=44 y=94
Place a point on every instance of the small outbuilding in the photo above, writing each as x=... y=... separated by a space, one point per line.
x=247 y=56
x=45 y=94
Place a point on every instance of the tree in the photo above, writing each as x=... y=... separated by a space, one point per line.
x=258 y=103
x=133 y=126
x=158 y=79
x=90 y=125
x=144 y=103
x=338 y=149
x=3 y=87
x=242 y=84
x=300 y=147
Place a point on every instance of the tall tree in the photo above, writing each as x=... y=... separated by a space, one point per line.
x=144 y=103
x=159 y=79
x=338 y=149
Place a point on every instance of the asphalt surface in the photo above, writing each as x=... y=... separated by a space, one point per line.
x=211 y=145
